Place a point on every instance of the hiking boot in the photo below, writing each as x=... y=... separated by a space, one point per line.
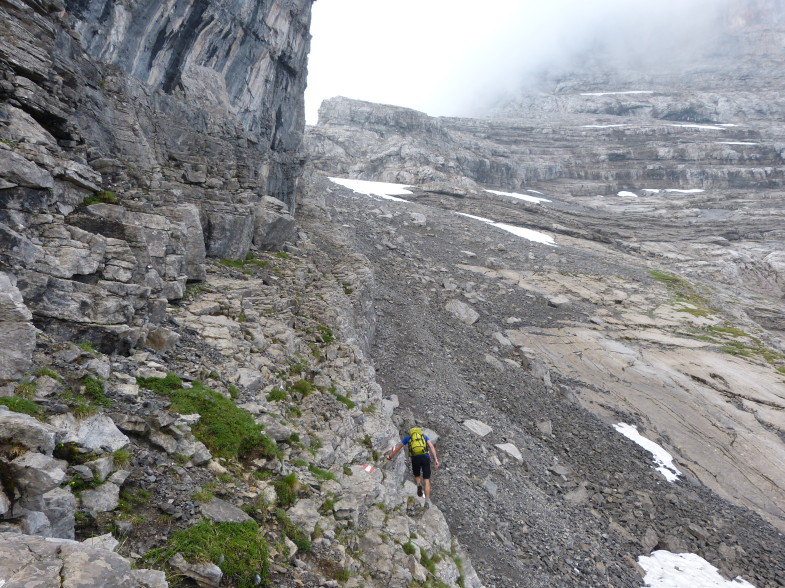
x=419 y=490
x=427 y=503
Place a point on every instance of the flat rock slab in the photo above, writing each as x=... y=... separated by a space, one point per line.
x=511 y=450
x=94 y=432
x=221 y=511
x=462 y=311
x=477 y=427
x=27 y=560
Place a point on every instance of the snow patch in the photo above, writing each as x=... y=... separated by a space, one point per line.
x=525 y=197
x=528 y=234
x=662 y=458
x=683 y=570
x=709 y=127
x=616 y=93
x=625 y=194
x=601 y=126
x=736 y=143
x=381 y=189
x=690 y=191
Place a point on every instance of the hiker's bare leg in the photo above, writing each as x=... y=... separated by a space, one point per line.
x=417 y=480
x=427 y=488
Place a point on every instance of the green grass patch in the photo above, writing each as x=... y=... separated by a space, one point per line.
x=426 y=562
x=321 y=474
x=296 y=534
x=226 y=430
x=282 y=255
x=303 y=387
x=345 y=400
x=86 y=347
x=22 y=405
x=202 y=495
x=408 y=548
x=326 y=334
x=121 y=457
x=286 y=490
x=685 y=293
x=101 y=197
x=239 y=549
x=26 y=390
x=49 y=373
x=94 y=390
x=276 y=395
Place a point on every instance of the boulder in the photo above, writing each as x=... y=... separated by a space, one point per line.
x=221 y=511
x=59 y=506
x=477 y=427
x=305 y=514
x=273 y=226
x=462 y=311
x=35 y=473
x=28 y=432
x=94 y=433
x=511 y=450
x=204 y=575
x=104 y=498
x=18 y=341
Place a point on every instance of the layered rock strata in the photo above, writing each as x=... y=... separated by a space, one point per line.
x=132 y=151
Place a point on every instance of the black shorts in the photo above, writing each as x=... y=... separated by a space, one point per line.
x=421 y=463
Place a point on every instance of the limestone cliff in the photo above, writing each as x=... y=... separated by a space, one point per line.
x=139 y=139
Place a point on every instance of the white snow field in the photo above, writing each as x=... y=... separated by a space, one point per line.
x=528 y=234
x=683 y=570
x=380 y=189
x=525 y=197
x=662 y=458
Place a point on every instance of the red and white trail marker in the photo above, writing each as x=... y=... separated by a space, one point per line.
x=369 y=468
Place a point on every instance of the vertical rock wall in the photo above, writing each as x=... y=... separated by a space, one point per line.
x=136 y=139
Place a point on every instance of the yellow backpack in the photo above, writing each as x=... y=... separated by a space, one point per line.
x=417 y=443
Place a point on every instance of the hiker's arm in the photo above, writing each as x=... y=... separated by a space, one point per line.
x=394 y=451
x=433 y=453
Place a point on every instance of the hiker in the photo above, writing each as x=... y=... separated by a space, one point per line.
x=420 y=450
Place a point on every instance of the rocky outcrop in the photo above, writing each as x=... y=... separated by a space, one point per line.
x=132 y=151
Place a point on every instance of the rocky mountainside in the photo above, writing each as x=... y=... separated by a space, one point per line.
x=196 y=389
x=182 y=402
x=644 y=286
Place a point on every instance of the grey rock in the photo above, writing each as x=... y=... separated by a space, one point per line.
x=95 y=432
x=305 y=513
x=545 y=427
x=28 y=432
x=462 y=311
x=221 y=511
x=101 y=468
x=511 y=450
x=59 y=506
x=477 y=427
x=5 y=503
x=15 y=170
x=272 y=229
x=149 y=578
x=204 y=575
x=18 y=342
x=104 y=498
x=106 y=541
x=36 y=523
x=35 y=473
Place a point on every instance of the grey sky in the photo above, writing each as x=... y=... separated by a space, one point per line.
x=447 y=57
